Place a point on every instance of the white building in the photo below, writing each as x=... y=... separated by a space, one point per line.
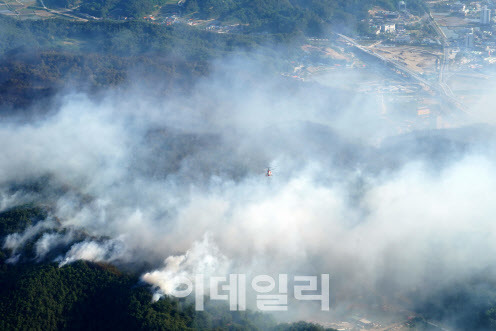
x=485 y=17
x=388 y=28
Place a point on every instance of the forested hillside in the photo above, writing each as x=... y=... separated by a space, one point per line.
x=312 y=17
x=37 y=58
x=105 y=8
x=87 y=296
x=120 y=39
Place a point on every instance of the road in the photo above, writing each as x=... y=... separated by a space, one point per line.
x=440 y=87
x=438 y=29
x=9 y=7
x=444 y=64
x=395 y=64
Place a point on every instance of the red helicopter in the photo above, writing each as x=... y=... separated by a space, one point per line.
x=268 y=173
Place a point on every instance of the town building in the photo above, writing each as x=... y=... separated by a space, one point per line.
x=485 y=16
x=470 y=40
x=388 y=28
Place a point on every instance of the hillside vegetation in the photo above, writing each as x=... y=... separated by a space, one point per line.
x=311 y=17
x=89 y=296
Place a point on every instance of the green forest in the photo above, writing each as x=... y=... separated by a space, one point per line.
x=97 y=296
x=311 y=17
x=109 y=8
x=120 y=39
x=90 y=296
x=39 y=57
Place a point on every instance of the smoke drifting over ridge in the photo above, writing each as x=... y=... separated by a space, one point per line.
x=149 y=178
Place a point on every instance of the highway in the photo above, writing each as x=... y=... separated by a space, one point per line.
x=444 y=65
x=439 y=86
x=9 y=7
x=438 y=29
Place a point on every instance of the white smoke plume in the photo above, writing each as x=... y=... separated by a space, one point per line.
x=50 y=241
x=202 y=258
x=10 y=200
x=107 y=251
x=16 y=241
x=156 y=175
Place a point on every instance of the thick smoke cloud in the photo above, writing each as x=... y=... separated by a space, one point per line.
x=108 y=251
x=16 y=241
x=51 y=241
x=155 y=176
x=203 y=258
